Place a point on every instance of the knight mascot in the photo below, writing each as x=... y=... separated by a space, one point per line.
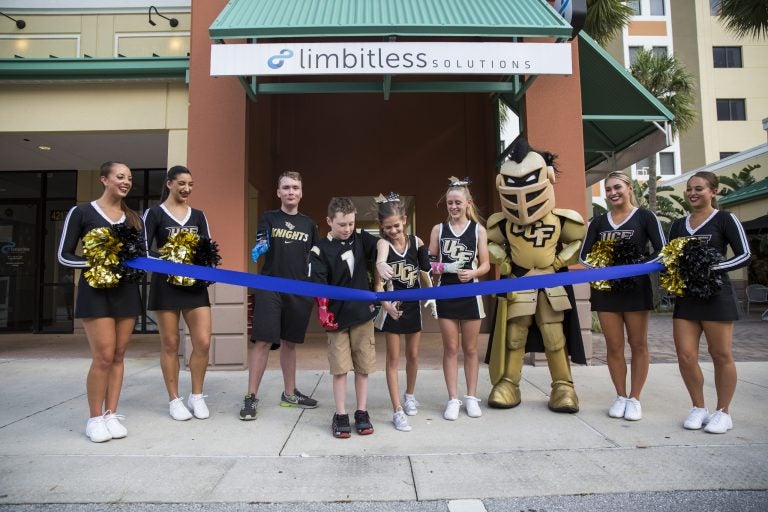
x=531 y=237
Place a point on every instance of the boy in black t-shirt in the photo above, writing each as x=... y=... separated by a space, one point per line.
x=280 y=320
x=340 y=260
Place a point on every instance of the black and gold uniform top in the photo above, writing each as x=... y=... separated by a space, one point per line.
x=344 y=263
x=290 y=239
x=459 y=248
x=405 y=265
x=160 y=224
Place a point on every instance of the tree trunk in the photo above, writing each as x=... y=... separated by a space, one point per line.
x=652 y=183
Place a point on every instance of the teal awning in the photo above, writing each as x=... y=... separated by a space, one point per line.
x=623 y=122
x=752 y=192
x=94 y=69
x=258 y=19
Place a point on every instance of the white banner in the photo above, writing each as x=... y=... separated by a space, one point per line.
x=391 y=58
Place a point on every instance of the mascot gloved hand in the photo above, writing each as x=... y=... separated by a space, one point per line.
x=523 y=240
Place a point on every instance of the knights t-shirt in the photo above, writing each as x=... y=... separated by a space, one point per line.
x=290 y=239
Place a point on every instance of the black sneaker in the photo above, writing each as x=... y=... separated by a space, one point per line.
x=340 y=426
x=297 y=399
x=363 y=423
x=248 y=412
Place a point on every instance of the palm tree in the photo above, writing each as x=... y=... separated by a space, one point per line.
x=605 y=19
x=744 y=17
x=736 y=181
x=667 y=79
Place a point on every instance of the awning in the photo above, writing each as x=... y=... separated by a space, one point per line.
x=120 y=68
x=623 y=122
x=259 y=19
x=752 y=192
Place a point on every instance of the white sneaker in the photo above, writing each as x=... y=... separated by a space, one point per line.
x=719 y=422
x=473 y=406
x=633 y=411
x=178 y=411
x=96 y=430
x=452 y=409
x=116 y=429
x=698 y=417
x=410 y=405
x=400 y=420
x=197 y=404
x=618 y=408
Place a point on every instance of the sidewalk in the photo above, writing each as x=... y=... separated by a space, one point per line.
x=288 y=455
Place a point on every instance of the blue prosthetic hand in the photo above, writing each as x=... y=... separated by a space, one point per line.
x=262 y=246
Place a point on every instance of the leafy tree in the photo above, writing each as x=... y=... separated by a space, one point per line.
x=736 y=181
x=605 y=19
x=667 y=80
x=744 y=17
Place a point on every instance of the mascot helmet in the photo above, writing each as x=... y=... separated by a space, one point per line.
x=525 y=184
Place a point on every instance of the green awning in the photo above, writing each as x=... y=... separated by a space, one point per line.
x=257 y=19
x=752 y=192
x=94 y=69
x=623 y=122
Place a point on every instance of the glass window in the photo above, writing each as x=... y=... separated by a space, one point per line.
x=726 y=154
x=667 y=164
x=657 y=7
x=635 y=6
x=731 y=110
x=726 y=56
x=61 y=184
x=659 y=51
x=633 y=51
x=714 y=7
x=20 y=185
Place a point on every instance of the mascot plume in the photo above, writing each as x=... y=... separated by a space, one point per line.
x=532 y=237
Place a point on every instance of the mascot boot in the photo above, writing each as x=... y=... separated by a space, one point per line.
x=563 y=397
x=506 y=393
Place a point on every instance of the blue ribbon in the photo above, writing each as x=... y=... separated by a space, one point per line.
x=307 y=288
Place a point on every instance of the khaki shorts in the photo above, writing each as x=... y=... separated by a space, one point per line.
x=352 y=349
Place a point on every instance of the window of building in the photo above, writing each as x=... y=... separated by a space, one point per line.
x=657 y=7
x=726 y=154
x=635 y=6
x=660 y=51
x=731 y=110
x=667 y=164
x=727 y=56
x=633 y=51
x=714 y=7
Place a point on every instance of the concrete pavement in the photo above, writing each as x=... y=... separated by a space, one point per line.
x=288 y=455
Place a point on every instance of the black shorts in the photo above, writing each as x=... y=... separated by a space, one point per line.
x=638 y=298
x=123 y=301
x=279 y=316
x=720 y=308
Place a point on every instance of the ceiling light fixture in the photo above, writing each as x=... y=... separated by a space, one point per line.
x=172 y=21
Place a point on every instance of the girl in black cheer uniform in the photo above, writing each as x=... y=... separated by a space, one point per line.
x=108 y=314
x=625 y=308
x=714 y=316
x=171 y=301
x=461 y=245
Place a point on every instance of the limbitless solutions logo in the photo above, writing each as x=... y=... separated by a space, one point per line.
x=277 y=61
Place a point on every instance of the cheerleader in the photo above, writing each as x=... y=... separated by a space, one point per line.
x=461 y=246
x=628 y=307
x=404 y=260
x=172 y=301
x=714 y=316
x=108 y=313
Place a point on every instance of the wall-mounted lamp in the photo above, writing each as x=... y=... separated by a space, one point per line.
x=20 y=24
x=173 y=21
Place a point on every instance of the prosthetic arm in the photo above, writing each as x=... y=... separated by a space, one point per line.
x=326 y=318
x=261 y=247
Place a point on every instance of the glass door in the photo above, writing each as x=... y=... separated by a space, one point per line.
x=18 y=264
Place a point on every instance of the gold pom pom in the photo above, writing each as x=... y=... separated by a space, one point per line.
x=601 y=256
x=670 y=279
x=100 y=248
x=180 y=248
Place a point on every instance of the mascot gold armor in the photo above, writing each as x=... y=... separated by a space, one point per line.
x=531 y=237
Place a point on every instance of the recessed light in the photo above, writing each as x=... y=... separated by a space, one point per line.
x=44 y=148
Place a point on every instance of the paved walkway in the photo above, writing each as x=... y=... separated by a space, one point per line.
x=288 y=455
